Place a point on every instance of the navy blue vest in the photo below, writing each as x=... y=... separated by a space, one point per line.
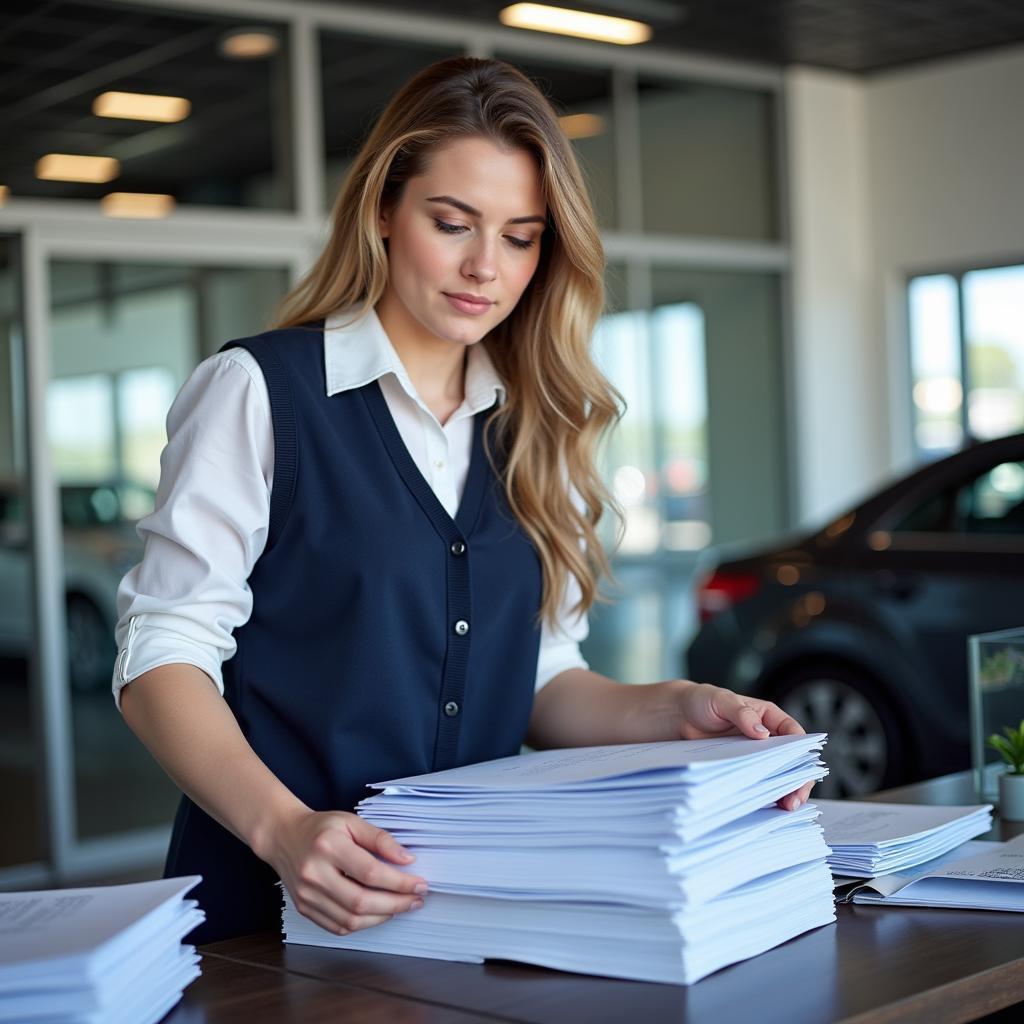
x=386 y=638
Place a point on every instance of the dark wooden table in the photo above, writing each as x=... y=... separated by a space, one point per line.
x=874 y=966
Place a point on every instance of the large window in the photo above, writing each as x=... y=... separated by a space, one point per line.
x=125 y=336
x=967 y=357
x=698 y=456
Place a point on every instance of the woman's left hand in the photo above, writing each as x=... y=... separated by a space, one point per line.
x=707 y=711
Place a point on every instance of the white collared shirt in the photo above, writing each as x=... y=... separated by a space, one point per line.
x=183 y=601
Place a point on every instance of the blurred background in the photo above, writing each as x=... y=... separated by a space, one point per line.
x=815 y=238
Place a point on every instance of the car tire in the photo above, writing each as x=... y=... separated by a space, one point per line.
x=866 y=748
x=90 y=640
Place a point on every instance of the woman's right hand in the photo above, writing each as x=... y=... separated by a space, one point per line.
x=329 y=862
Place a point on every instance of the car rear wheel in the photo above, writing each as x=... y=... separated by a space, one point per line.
x=863 y=752
x=90 y=645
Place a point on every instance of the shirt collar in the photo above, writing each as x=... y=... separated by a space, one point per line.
x=360 y=352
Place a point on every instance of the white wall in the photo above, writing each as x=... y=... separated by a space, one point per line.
x=839 y=445
x=892 y=174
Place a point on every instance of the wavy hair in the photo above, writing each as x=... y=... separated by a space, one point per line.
x=558 y=404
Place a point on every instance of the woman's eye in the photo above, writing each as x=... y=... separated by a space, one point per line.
x=457 y=229
x=451 y=229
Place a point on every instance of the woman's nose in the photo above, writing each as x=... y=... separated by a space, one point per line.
x=481 y=264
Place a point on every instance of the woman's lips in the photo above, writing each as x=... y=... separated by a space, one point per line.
x=465 y=306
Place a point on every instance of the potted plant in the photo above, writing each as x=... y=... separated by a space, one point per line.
x=1010 y=747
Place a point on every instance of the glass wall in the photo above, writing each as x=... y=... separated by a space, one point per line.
x=191 y=106
x=699 y=455
x=21 y=836
x=125 y=337
x=696 y=353
x=583 y=98
x=707 y=159
x=359 y=75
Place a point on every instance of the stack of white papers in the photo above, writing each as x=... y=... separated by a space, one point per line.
x=102 y=955
x=870 y=839
x=657 y=862
x=978 y=876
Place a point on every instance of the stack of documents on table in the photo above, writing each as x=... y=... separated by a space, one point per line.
x=657 y=862
x=870 y=839
x=101 y=955
x=978 y=876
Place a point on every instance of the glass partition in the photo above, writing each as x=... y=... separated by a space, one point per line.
x=359 y=75
x=21 y=837
x=583 y=98
x=124 y=337
x=707 y=160
x=191 y=105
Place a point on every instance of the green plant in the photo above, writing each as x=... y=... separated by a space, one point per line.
x=1010 y=747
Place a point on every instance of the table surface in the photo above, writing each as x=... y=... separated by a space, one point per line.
x=873 y=966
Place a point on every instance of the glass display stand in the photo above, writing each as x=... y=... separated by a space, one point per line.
x=996 y=688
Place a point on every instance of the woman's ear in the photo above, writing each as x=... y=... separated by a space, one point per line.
x=383 y=221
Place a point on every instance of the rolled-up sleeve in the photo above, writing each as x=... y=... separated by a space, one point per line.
x=560 y=645
x=183 y=601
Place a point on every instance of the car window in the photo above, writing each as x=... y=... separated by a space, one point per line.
x=991 y=503
x=85 y=505
x=88 y=506
x=994 y=502
x=932 y=516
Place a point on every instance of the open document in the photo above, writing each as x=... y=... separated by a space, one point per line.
x=869 y=839
x=657 y=862
x=100 y=955
x=978 y=876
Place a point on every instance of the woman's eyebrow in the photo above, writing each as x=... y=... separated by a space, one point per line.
x=466 y=208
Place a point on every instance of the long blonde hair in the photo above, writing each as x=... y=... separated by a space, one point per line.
x=558 y=404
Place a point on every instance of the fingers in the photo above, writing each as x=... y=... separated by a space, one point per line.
x=379 y=841
x=344 y=887
x=364 y=867
x=743 y=712
x=778 y=721
x=792 y=801
x=348 y=906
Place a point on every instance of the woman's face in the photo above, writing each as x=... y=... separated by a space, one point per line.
x=469 y=226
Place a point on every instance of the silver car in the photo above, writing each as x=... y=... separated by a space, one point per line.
x=100 y=546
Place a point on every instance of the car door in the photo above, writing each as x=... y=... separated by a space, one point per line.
x=943 y=566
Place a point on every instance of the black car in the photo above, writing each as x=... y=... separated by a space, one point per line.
x=860 y=630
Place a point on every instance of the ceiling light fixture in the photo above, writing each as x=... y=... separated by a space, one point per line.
x=68 y=167
x=583 y=24
x=582 y=126
x=139 y=205
x=139 y=106
x=249 y=43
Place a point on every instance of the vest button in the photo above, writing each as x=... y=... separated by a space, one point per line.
x=458 y=548
x=451 y=709
x=462 y=627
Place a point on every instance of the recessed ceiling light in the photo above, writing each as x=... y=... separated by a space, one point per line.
x=147 y=205
x=139 y=106
x=561 y=20
x=68 y=167
x=249 y=43
x=582 y=126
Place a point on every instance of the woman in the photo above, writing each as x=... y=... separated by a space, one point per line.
x=375 y=529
